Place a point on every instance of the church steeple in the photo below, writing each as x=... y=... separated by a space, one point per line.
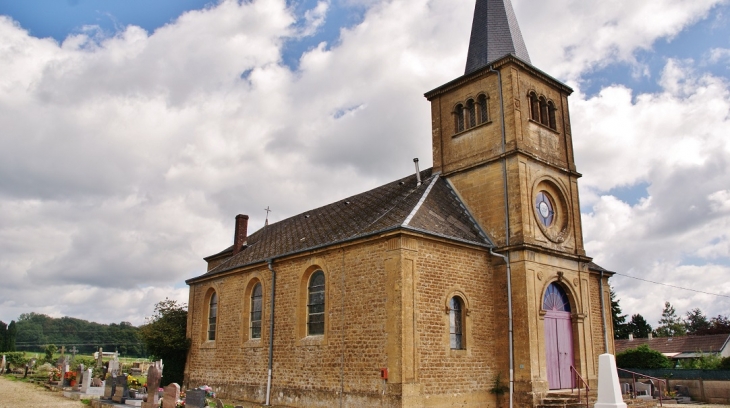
x=494 y=34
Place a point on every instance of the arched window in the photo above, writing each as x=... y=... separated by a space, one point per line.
x=459 y=118
x=256 y=300
x=551 y=115
x=555 y=299
x=483 y=109
x=543 y=111
x=315 y=304
x=456 y=323
x=212 y=315
x=472 y=112
x=534 y=107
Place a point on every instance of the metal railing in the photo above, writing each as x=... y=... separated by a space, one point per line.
x=633 y=385
x=574 y=383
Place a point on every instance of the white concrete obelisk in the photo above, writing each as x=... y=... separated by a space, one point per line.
x=609 y=389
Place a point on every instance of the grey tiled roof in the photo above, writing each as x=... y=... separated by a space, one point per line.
x=431 y=208
x=712 y=343
x=494 y=34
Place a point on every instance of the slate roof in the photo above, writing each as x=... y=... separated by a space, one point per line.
x=432 y=208
x=494 y=34
x=713 y=343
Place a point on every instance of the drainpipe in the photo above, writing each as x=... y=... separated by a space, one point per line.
x=603 y=314
x=506 y=234
x=271 y=331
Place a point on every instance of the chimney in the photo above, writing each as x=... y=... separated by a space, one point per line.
x=650 y=336
x=239 y=237
x=418 y=172
x=631 y=336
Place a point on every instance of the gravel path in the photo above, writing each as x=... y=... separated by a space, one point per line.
x=14 y=394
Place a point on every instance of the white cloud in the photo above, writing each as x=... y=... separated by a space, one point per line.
x=572 y=37
x=126 y=158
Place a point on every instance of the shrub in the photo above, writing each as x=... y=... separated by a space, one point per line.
x=725 y=363
x=16 y=359
x=642 y=357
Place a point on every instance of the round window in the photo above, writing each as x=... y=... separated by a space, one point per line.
x=544 y=208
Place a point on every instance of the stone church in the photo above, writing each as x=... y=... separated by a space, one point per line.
x=430 y=290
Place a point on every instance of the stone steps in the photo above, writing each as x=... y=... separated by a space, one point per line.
x=568 y=400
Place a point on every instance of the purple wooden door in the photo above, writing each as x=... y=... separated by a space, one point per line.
x=558 y=338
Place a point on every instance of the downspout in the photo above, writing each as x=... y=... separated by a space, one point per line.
x=271 y=331
x=506 y=234
x=603 y=314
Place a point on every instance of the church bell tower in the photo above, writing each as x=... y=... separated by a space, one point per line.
x=502 y=138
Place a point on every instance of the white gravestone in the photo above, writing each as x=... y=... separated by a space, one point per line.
x=2 y=366
x=85 y=381
x=609 y=389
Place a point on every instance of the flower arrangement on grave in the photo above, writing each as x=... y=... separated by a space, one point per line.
x=70 y=377
x=208 y=391
x=55 y=374
x=133 y=382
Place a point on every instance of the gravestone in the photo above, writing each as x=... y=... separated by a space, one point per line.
x=195 y=398
x=79 y=377
x=121 y=392
x=64 y=369
x=85 y=381
x=219 y=403
x=154 y=375
x=99 y=359
x=2 y=365
x=114 y=367
x=109 y=387
x=171 y=395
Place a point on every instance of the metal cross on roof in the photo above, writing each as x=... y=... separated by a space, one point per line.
x=267 y=214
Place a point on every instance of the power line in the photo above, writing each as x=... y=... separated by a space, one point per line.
x=673 y=286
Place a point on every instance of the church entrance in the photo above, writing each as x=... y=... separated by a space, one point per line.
x=558 y=338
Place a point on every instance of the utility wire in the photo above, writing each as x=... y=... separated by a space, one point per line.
x=672 y=286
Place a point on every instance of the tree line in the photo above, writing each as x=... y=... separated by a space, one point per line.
x=35 y=331
x=162 y=337
x=695 y=322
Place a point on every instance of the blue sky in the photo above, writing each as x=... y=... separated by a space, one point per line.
x=138 y=113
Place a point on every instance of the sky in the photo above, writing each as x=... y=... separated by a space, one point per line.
x=133 y=132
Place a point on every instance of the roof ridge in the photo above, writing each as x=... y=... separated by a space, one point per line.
x=420 y=202
x=468 y=213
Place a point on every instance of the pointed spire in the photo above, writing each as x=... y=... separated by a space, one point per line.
x=494 y=34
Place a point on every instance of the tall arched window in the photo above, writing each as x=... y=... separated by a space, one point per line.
x=315 y=304
x=459 y=118
x=472 y=113
x=551 y=115
x=456 y=323
x=483 y=109
x=212 y=315
x=543 y=111
x=534 y=107
x=256 y=300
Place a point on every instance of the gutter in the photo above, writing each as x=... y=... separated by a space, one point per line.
x=506 y=236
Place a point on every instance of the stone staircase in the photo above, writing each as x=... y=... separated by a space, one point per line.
x=566 y=399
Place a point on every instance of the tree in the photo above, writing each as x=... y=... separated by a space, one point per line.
x=3 y=335
x=642 y=357
x=12 y=333
x=164 y=336
x=718 y=325
x=620 y=327
x=670 y=325
x=638 y=326
x=696 y=322
x=50 y=350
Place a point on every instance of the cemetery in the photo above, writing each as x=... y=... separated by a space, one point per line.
x=109 y=382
